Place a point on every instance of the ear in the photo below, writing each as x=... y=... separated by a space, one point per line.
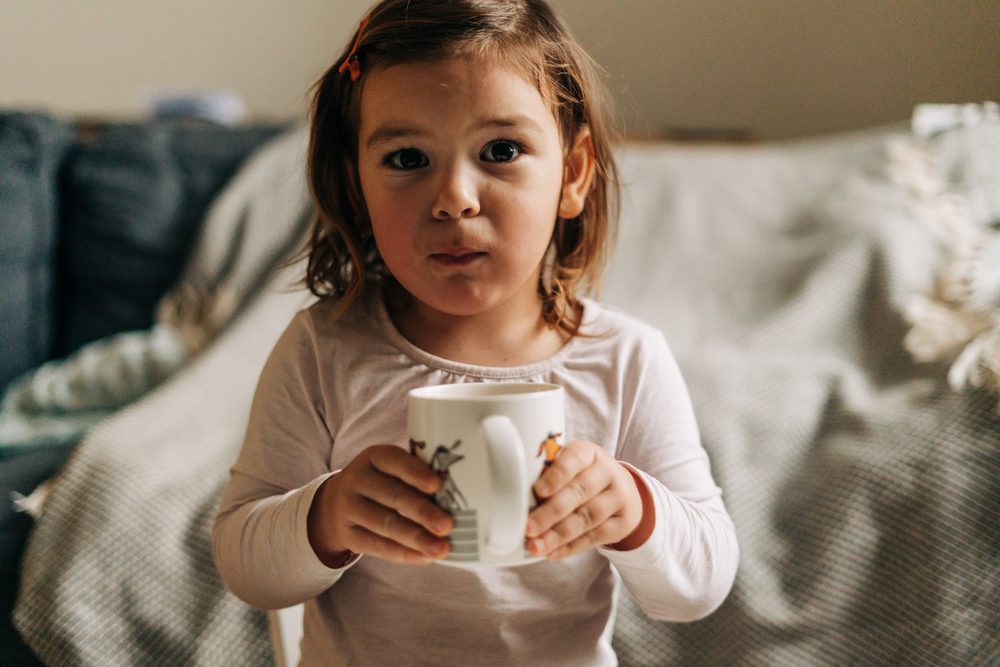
x=578 y=172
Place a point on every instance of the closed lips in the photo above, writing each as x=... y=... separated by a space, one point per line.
x=459 y=256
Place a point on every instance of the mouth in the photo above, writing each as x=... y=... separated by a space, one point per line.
x=457 y=257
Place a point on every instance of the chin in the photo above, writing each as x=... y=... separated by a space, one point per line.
x=461 y=307
x=465 y=301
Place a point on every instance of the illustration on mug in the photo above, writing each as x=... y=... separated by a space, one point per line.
x=551 y=447
x=448 y=497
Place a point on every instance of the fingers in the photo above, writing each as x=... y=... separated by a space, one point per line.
x=386 y=533
x=383 y=547
x=595 y=523
x=574 y=458
x=587 y=499
x=394 y=494
x=571 y=501
x=378 y=505
x=397 y=462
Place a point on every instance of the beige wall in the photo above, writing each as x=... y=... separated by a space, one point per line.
x=779 y=68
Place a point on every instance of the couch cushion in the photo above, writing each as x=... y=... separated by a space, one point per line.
x=32 y=147
x=134 y=197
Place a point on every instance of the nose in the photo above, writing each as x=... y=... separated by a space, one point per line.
x=457 y=196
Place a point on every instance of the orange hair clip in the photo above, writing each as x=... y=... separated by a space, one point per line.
x=352 y=64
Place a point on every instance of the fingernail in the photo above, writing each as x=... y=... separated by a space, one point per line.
x=542 y=488
x=532 y=528
x=438 y=550
x=442 y=525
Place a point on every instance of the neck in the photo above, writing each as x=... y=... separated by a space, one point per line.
x=512 y=336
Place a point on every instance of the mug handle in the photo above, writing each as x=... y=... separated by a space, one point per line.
x=509 y=481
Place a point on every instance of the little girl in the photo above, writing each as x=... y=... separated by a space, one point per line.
x=461 y=167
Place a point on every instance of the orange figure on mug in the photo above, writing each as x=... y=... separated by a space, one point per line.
x=551 y=449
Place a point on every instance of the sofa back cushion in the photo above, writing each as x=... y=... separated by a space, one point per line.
x=135 y=195
x=32 y=147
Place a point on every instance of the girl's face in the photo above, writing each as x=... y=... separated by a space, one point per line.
x=461 y=168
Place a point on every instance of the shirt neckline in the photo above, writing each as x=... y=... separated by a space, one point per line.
x=474 y=370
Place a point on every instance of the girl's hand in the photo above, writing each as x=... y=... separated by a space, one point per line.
x=586 y=498
x=378 y=505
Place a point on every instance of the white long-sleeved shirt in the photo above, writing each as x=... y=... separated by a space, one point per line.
x=331 y=388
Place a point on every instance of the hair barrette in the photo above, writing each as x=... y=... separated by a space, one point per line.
x=352 y=63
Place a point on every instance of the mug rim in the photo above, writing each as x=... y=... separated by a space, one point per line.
x=484 y=391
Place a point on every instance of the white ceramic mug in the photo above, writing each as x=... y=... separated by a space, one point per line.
x=488 y=442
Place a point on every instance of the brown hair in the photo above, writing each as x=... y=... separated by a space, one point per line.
x=523 y=33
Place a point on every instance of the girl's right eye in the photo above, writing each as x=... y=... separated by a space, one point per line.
x=406 y=159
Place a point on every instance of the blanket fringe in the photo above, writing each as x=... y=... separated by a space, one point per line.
x=958 y=321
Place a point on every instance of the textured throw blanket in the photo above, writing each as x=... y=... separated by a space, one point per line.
x=865 y=491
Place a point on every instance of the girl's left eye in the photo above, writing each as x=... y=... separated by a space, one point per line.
x=500 y=150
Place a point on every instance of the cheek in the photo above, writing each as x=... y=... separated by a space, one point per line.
x=394 y=245
x=391 y=213
x=544 y=192
x=533 y=209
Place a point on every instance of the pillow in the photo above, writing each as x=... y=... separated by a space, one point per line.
x=32 y=148
x=134 y=199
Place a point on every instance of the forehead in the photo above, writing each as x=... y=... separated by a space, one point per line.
x=450 y=93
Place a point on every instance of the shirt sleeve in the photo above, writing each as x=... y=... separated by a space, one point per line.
x=686 y=567
x=260 y=541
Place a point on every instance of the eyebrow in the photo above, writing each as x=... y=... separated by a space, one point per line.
x=389 y=133
x=384 y=134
